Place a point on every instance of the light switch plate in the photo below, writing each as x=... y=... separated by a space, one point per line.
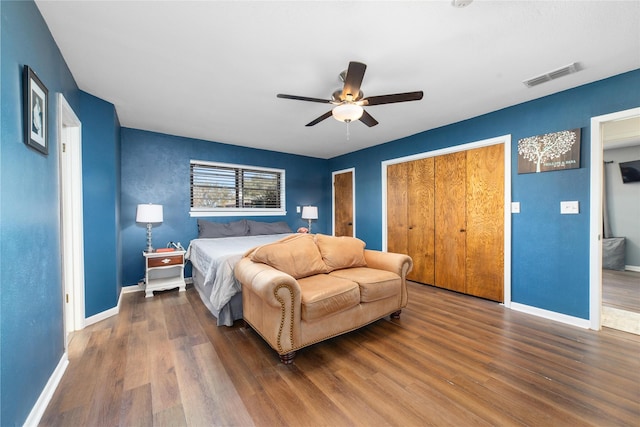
x=570 y=208
x=515 y=207
x=297 y=209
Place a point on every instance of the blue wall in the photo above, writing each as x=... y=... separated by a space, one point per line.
x=31 y=322
x=101 y=204
x=550 y=252
x=155 y=169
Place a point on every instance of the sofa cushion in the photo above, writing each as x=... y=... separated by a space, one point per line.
x=323 y=295
x=341 y=252
x=296 y=255
x=374 y=284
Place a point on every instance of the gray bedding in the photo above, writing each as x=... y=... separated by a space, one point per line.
x=214 y=259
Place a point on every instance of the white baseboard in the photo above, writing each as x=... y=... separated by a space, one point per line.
x=552 y=315
x=635 y=268
x=130 y=289
x=105 y=314
x=47 y=393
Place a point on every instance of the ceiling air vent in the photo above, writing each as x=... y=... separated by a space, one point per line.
x=552 y=75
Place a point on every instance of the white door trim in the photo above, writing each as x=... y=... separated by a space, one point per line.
x=506 y=141
x=71 y=224
x=353 y=198
x=595 y=215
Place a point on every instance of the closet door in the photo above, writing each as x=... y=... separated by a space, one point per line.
x=485 y=222
x=397 y=208
x=450 y=221
x=420 y=219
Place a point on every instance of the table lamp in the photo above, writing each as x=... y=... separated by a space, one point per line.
x=309 y=213
x=149 y=214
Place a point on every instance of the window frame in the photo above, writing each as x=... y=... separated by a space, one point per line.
x=236 y=211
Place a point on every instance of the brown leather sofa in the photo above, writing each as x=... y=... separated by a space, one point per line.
x=306 y=288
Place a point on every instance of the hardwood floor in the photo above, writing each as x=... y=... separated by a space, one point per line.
x=621 y=290
x=450 y=359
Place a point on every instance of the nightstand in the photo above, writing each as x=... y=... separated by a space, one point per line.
x=163 y=270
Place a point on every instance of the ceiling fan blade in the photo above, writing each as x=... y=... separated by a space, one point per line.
x=303 y=98
x=353 y=80
x=321 y=118
x=390 y=99
x=368 y=120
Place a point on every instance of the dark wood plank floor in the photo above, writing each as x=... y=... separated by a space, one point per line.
x=621 y=290
x=450 y=360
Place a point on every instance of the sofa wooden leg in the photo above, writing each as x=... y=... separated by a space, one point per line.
x=396 y=314
x=287 y=359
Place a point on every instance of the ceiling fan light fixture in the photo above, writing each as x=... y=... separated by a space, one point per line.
x=347 y=112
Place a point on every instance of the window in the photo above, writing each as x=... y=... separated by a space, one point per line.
x=219 y=189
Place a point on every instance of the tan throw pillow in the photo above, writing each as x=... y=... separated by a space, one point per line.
x=296 y=255
x=341 y=252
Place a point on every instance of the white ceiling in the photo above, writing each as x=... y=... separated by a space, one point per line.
x=621 y=133
x=211 y=69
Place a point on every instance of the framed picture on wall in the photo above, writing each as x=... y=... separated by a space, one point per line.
x=549 y=152
x=36 y=103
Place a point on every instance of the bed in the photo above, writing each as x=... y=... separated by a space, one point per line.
x=213 y=256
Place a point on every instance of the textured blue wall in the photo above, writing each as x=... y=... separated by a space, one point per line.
x=155 y=169
x=550 y=252
x=31 y=322
x=101 y=203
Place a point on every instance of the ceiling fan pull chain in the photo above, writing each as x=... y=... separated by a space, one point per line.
x=347 y=131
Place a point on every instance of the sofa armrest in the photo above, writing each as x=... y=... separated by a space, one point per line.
x=398 y=263
x=265 y=280
x=273 y=304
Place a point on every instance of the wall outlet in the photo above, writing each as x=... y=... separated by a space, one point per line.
x=570 y=208
x=515 y=207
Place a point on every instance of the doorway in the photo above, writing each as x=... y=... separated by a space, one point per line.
x=71 y=225
x=608 y=306
x=343 y=188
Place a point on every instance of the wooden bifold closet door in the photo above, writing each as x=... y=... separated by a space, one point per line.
x=450 y=221
x=447 y=213
x=485 y=222
x=410 y=222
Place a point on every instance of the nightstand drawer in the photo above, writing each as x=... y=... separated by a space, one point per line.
x=165 y=261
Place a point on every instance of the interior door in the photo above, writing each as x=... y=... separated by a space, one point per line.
x=343 y=204
x=485 y=222
x=450 y=221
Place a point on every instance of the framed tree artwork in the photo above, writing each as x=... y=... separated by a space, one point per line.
x=36 y=103
x=549 y=152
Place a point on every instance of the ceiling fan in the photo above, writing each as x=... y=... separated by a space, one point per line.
x=349 y=100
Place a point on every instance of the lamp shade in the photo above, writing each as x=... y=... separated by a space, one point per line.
x=309 y=212
x=347 y=112
x=149 y=213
